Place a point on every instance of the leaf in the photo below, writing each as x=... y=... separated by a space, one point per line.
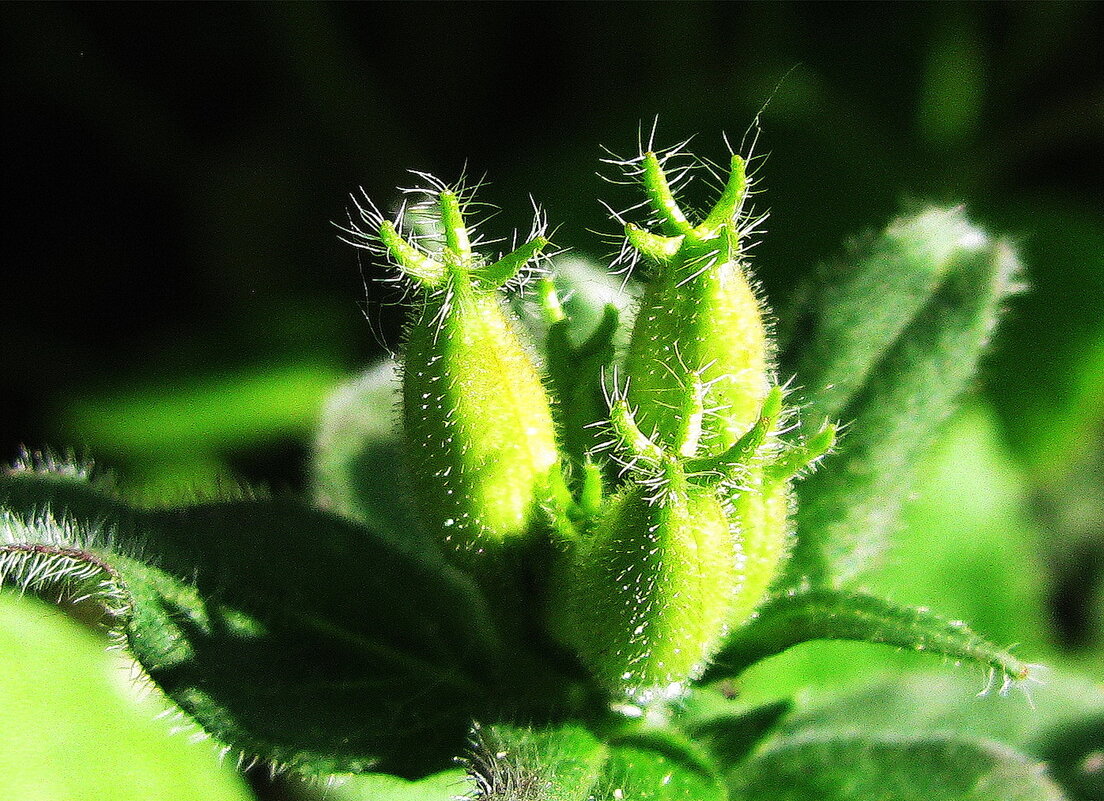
x=1075 y=755
x=641 y=774
x=516 y=764
x=358 y=465
x=70 y=730
x=970 y=545
x=790 y=620
x=893 y=349
x=1061 y=722
x=449 y=785
x=730 y=737
x=570 y=764
x=871 y=769
x=288 y=634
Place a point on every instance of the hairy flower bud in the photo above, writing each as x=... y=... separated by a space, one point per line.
x=475 y=412
x=646 y=600
x=699 y=319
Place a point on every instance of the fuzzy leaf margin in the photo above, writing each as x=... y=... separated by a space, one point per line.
x=896 y=340
x=792 y=619
x=289 y=635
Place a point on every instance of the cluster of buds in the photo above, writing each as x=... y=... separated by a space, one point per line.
x=649 y=578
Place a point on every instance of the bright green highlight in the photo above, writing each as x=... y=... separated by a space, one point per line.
x=75 y=725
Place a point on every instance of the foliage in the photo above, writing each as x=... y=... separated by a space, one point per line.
x=554 y=548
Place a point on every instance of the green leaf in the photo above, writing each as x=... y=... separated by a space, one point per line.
x=358 y=466
x=206 y=414
x=517 y=764
x=894 y=347
x=1075 y=756
x=570 y=764
x=870 y=769
x=970 y=545
x=448 y=785
x=1061 y=721
x=72 y=728
x=791 y=619
x=642 y=774
x=730 y=736
x=286 y=633
x=926 y=703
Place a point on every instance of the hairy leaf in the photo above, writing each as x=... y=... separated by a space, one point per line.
x=830 y=615
x=286 y=633
x=871 y=769
x=895 y=345
x=570 y=764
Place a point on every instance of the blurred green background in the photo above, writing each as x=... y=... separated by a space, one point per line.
x=176 y=303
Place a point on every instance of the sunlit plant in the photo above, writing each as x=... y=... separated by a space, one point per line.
x=544 y=544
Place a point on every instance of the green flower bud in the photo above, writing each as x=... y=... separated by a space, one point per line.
x=475 y=412
x=646 y=599
x=685 y=552
x=699 y=319
x=754 y=476
x=648 y=596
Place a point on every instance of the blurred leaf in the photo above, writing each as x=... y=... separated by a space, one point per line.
x=790 y=620
x=925 y=703
x=1048 y=375
x=954 y=81
x=358 y=469
x=730 y=737
x=869 y=769
x=1075 y=757
x=286 y=633
x=893 y=378
x=202 y=414
x=640 y=774
x=72 y=727
x=1060 y=720
x=968 y=546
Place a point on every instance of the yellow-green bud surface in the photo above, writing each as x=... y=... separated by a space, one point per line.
x=646 y=601
x=699 y=320
x=477 y=421
x=476 y=416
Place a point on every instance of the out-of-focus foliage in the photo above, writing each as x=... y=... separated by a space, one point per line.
x=175 y=173
x=77 y=725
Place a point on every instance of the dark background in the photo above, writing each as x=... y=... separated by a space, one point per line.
x=172 y=173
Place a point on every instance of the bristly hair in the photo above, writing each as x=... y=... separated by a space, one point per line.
x=681 y=167
x=418 y=220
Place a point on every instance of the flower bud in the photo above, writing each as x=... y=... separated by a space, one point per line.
x=646 y=600
x=699 y=318
x=476 y=415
